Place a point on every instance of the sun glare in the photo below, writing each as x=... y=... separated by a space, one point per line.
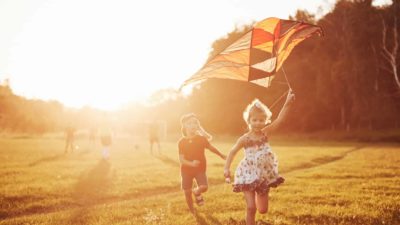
x=105 y=55
x=109 y=53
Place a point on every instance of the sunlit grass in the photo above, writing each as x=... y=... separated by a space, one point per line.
x=326 y=184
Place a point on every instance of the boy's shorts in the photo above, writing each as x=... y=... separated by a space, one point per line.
x=187 y=180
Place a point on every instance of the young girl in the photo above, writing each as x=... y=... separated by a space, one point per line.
x=106 y=136
x=258 y=170
x=192 y=158
x=106 y=142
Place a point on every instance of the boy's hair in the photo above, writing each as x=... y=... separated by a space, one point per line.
x=256 y=106
x=185 y=118
x=201 y=132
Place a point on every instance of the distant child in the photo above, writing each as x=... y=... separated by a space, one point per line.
x=106 y=142
x=192 y=147
x=69 y=139
x=92 y=137
x=154 y=133
x=258 y=170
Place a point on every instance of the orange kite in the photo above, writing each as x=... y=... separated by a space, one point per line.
x=257 y=55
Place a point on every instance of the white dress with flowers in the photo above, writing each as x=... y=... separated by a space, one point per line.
x=258 y=170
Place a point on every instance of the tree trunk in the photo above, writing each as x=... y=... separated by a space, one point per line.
x=391 y=55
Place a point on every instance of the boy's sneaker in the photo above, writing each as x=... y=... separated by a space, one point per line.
x=199 y=199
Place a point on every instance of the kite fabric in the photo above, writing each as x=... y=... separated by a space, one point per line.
x=257 y=55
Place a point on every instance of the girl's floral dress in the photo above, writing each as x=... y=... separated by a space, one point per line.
x=258 y=170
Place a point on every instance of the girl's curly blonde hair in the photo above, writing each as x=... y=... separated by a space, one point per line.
x=256 y=106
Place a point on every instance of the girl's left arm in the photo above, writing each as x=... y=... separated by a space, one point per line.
x=238 y=145
x=215 y=151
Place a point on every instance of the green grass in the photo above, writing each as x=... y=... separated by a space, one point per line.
x=335 y=183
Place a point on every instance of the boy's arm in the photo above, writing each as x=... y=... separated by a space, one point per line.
x=282 y=114
x=238 y=145
x=183 y=161
x=215 y=151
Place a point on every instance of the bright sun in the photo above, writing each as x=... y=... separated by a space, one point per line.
x=103 y=54
x=109 y=53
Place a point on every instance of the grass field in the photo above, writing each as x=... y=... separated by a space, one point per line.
x=326 y=183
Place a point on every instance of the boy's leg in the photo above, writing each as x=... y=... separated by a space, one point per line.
x=202 y=186
x=202 y=183
x=262 y=202
x=159 y=147
x=151 y=147
x=250 y=207
x=186 y=185
x=72 y=145
x=200 y=189
x=66 y=146
x=189 y=199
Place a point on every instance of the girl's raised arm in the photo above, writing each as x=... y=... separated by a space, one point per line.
x=238 y=145
x=282 y=114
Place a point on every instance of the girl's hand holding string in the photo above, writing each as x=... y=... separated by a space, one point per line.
x=290 y=97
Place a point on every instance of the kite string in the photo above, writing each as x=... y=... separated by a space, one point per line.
x=287 y=81
x=286 y=92
x=276 y=101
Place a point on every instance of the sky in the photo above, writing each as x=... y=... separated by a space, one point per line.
x=106 y=54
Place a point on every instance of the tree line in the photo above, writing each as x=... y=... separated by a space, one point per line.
x=346 y=80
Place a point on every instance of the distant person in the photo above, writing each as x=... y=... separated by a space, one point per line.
x=69 y=139
x=258 y=170
x=106 y=142
x=92 y=137
x=154 y=136
x=191 y=146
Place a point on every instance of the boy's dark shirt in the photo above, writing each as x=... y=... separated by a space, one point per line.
x=193 y=149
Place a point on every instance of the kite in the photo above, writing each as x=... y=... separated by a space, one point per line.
x=259 y=54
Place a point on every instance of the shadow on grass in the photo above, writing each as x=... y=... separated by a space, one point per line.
x=47 y=159
x=207 y=219
x=386 y=218
x=200 y=219
x=91 y=189
x=55 y=158
x=168 y=161
x=232 y=221
x=322 y=160
x=9 y=205
x=93 y=184
x=213 y=220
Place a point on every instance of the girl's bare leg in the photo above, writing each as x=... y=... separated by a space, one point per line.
x=262 y=203
x=251 y=207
